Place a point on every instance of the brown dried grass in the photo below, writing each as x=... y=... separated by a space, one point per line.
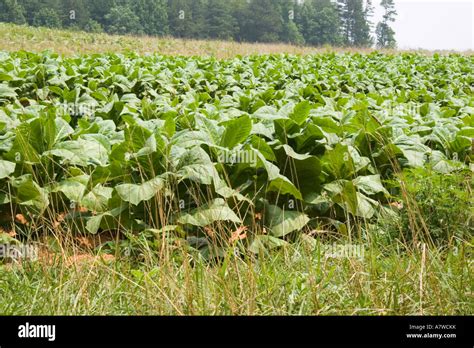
x=66 y=42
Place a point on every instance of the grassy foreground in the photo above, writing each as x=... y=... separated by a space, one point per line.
x=297 y=280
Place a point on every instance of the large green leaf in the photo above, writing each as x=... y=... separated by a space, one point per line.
x=28 y=193
x=217 y=210
x=7 y=92
x=82 y=152
x=195 y=165
x=366 y=207
x=282 y=185
x=210 y=127
x=6 y=168
x=97 y=198
x=73 y=188
x=301 y=112
x=303 y=169
x=413 y=150
x=236 y=131
x=370 y=184
x=337 y=163
x=137 y=193
x=105 y=220
x=281 y=222
x=263 y=243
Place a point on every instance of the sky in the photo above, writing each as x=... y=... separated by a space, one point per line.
x=433 y=24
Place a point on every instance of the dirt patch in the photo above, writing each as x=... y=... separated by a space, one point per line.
x=82 y=260
x=91 y=242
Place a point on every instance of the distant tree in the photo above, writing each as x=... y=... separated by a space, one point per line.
x=354 y=24
x=263 y=21
x=74 y=13
x=98 y=9
x=328 y=23
x=292 y=34
x=321 y=23
x=307 y=22
x=93 y=26
x=12 y=11
x=199 y=28
x=385 y=34
x=239 y=12
x=180 y=18
x=153 y=16
x=369 y=13
x=290 y=31
x=221 y=23
x=346 y=20
x=361 y=27
x=47 y=17
x=122 y=20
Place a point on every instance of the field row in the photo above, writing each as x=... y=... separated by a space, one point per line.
x=253 y=149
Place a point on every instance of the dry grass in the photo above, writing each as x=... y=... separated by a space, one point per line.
x=15 y=38
x=296 y=280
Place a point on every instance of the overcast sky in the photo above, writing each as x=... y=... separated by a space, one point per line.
x=433 y=24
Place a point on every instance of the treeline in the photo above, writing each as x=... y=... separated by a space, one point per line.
x=311 y=22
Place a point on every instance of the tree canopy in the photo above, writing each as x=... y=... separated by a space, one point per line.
x=312 y=22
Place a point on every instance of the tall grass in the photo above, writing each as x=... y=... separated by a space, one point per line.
x=296 y=280
x=15 y=37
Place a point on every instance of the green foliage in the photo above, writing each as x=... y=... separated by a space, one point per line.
x=221 y=24
x=47 y=17
x=263 y=22
x=134 y=143
x=316 y=22
x=355 y=24
x=122 y=20
x=93 y=26
x=153 y=16
x=291 y=34
x=443 y=202
x=385 y=34
x=75 y=13
x=12 y=11
x=180 y=18
x=199 y=15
